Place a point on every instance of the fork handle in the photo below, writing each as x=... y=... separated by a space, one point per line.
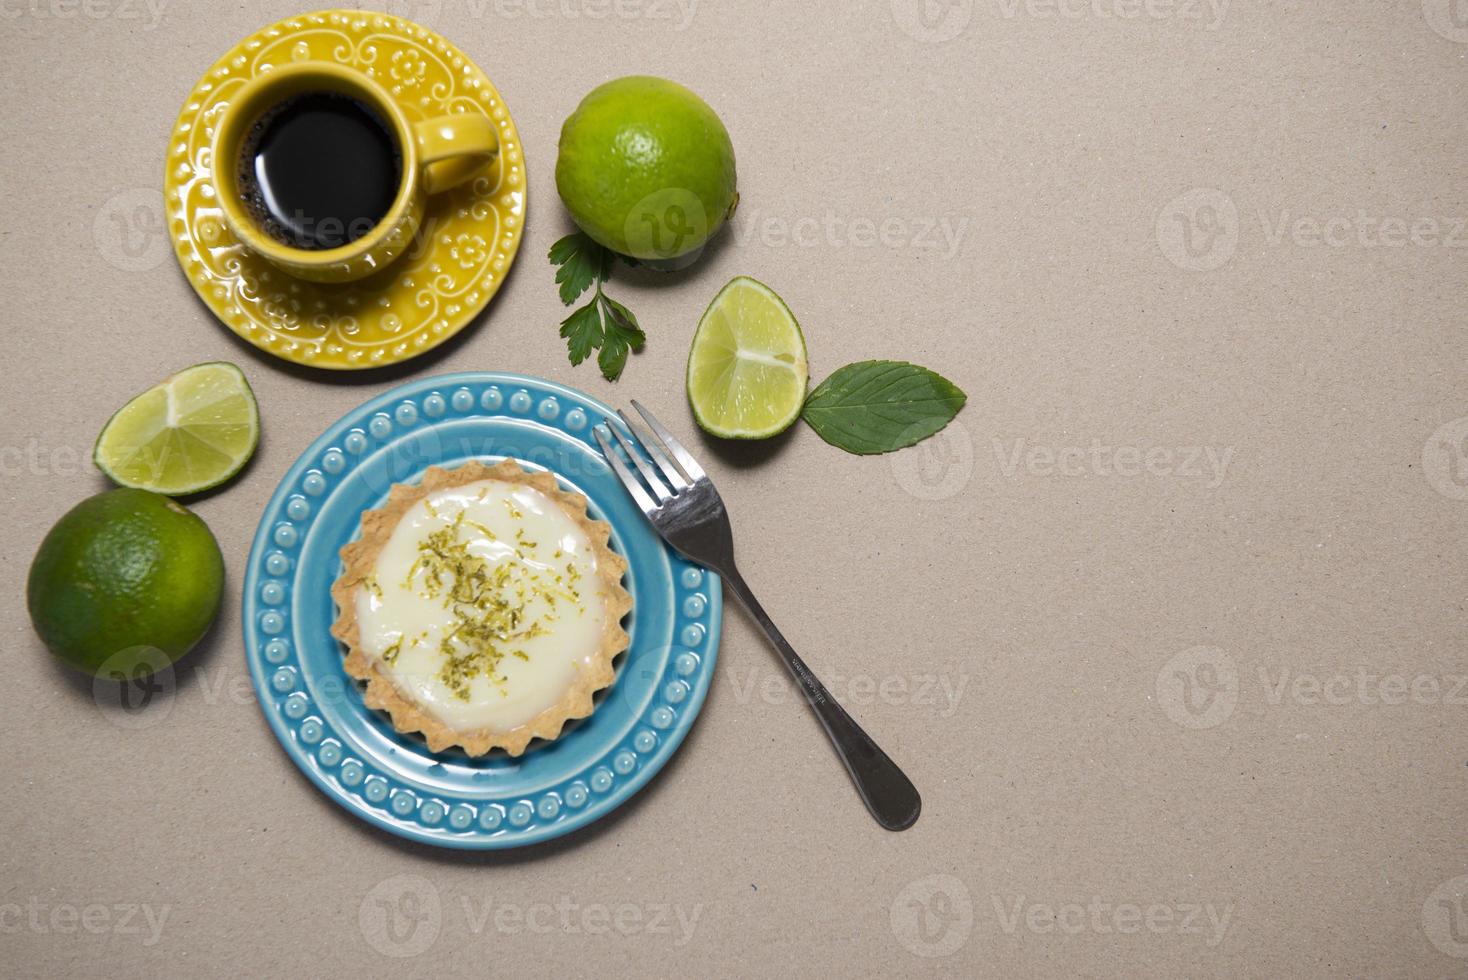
x=884 y=788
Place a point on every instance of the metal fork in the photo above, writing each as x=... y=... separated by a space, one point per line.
x=686 y=510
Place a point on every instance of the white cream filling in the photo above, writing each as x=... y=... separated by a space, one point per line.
x=539 y=597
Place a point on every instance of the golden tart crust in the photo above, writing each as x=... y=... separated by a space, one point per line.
x=359 y=559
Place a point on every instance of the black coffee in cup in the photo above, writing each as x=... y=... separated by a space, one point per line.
x=319 y=170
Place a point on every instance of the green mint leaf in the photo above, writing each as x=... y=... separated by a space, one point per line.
x=621 y=335
x=583 y=332
x=878 y=406
x=582 y=262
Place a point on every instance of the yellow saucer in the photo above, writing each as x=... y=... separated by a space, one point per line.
x=469 y=236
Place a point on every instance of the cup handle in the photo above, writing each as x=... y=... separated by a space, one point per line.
x=453 y=148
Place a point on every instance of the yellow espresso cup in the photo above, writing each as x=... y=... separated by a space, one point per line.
x=435 y=155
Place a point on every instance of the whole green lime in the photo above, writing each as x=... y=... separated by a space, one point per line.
x=646 y=168
x=126 y=582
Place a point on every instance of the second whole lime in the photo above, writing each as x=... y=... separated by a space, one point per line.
x=125 y=584
x=646 y=168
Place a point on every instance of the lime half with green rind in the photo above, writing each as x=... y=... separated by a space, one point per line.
x=747 y=368
x=188 y=433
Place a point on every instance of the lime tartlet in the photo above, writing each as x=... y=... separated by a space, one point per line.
x=482 y=607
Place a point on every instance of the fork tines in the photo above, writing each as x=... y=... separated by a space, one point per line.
x=658 y=445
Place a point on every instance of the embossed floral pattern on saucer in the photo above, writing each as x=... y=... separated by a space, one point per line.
x=469 y=237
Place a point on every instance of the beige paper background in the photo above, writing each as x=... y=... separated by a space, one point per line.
x=1126 y=285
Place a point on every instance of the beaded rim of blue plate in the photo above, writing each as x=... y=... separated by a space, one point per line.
x=351 y=777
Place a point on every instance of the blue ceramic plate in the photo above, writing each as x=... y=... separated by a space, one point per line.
x=352 y=751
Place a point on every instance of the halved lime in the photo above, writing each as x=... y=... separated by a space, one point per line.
x=747 y=370
x=190 y=432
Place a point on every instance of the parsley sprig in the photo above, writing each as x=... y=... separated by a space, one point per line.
x=603 y=324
